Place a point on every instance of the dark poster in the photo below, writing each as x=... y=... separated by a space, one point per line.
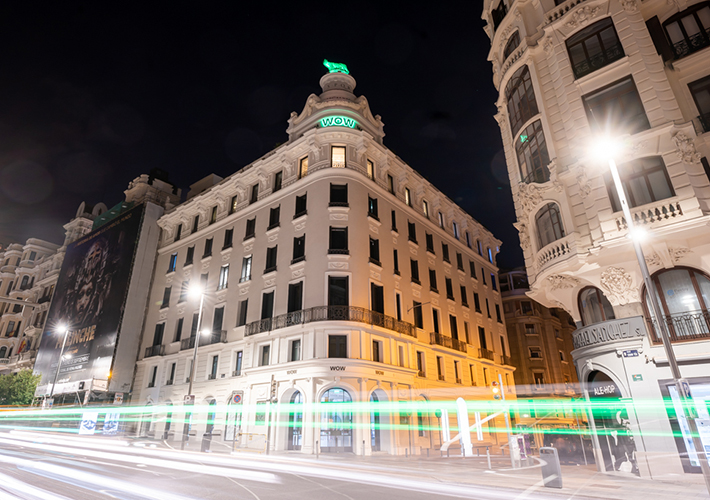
x=89 y=300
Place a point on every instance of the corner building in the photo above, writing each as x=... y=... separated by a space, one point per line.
x=333 y=272
x=568 y=71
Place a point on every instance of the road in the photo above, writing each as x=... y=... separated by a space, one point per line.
x=37 y=466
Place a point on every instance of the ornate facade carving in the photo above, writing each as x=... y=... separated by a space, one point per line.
x=653 y=259
x=585 y=186
x=618 y=285
x=523 y=234
x=548 y=45
x=552 y=168
x=678 y=253
x=562 y=281
x=582 y=16
x=629 y=5
x=686 y=148
x=529 y=197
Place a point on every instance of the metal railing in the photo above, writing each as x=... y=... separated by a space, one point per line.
x=154 y=350
x=540 y=175
x=691 y=44
x=213 y=338
x=451 y=343
x=611 y=54
x=486 y=354
x=330 y=313
x=691 y=325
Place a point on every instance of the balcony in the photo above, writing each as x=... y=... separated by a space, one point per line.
x=330 y=313
x=451 y=343
x=682 y=327
x=692 y=44
x=540 y=175
x=665 y=210
x=486 y=354
x=216 y=337
x=506 y=360
x=554 y=252
x=154 y=350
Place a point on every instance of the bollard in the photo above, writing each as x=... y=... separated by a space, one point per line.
x=427 y=452
x=363 y=447
x=447 y=453
x=488 y=454
x=406 y=453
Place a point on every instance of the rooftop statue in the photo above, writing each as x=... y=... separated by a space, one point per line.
x=335 y=67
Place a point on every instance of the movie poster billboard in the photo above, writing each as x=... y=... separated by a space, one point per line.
x=89 y=300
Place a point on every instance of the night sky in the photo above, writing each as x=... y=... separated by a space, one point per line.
x=92 y=97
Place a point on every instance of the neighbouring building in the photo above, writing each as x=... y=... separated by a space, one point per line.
x=332 y=272
x=568 y=71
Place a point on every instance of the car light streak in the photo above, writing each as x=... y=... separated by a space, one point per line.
x=8 y=484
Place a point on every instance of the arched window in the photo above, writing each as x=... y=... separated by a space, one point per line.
x=25 y=282
x=295 y=422
x=685 y=299
x=521 y=99
x=336 y=427
x=512 y=44
x=645 y=180
x=689 y=30
x=549 y=225
x=594 y=307
x=532 y=154
x=594 y=47
x=3 y=351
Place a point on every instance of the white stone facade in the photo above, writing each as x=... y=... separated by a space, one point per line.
x=294 y=353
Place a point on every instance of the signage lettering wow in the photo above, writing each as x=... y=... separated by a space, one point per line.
x=337 y=368
x=338 y=121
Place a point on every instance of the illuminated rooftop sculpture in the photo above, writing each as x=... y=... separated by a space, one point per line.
x=335 y=67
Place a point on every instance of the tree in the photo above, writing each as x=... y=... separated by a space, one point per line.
x=18 y=389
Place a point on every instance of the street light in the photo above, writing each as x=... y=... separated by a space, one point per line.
x=606 y=149
x=63 y=330
x=194 y=292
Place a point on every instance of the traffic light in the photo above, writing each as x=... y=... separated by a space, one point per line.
x=495 y=389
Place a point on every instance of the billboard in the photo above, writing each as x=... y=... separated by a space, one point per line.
x=89 y=300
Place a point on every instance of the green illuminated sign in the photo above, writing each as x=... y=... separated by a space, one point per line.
x=335 y=67
x=338 y=121
x=523 y=138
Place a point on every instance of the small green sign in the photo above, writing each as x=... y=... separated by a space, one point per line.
x=637 y=377
x=338 y=121
x=523 y=138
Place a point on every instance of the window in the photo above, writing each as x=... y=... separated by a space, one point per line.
x=472 y=269
x=337 y=157
x=441 y=220
x=449 y=289
x=250 y=229
x=488 y=308
x=337 y=346
x=195 y=223
x=467 y=337
x=594 y=306
x=371 y=170
x=173 y=263
x=407 y=197
x=178 y=329
x=377 y=351
x=158 y=334
x=183 y=291
x=521 y=99
x=533 y=158
x=301 y=206
x=414 y=268
x=203 y=280
x=295 y=297
x=494 y=284
x=395 y=256
x=338 y=291
x=455 y=228
x=412 y=227
x=338 y=195
x=498 y=316
x=562 y=356
x=213 y=215
x=539 y=378
x=178 y=232
x=238 y=364
x=468 y=240
x=390 y=183
x=498 y=14
x=295 y=350
x=457 y=372
x=242 y=313
x=616 y=109
x=171 y=379
x=482 y=337
x=338 y=240
x=228 y=237
x=425 y=208
x=440 y=367
x=208 y=248
x=372 y=208
x=645 y=180
x=303 y=167
x=223 y=277
x=445 y=252
x=535 y=352
x=398 y=305
x=594 y=47
x=153 y=376
x=213 y=371
x=166 y=297
x=700 y=89
x=265 y=355
x=549 y=225
x=421 y=364
x=233 y=204
x=490 y=255
x=299 y=249
x=512 y=44
x=435 y=319
x=254 y=194
x=402 y=361
x=246 y=269
x=274 y=217
x=459 y=261
x=689 y=30
x=278 y=180
x=479 y=247
x=454 y=326
x=418 y=316
x=190 y=256
x=267 y=305
x=375 y=251
x=476 y=302
x=429 y=243
x=193 y=327
x=464 y=297
x=530 y=329
x=526 y=307
x=271 y=253
x=432 y=281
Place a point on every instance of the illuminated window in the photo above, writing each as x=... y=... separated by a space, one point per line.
x=337 y=157
x=303 y=167
x=532 y=154
x=521 y=99
x=425 y=208
x=594 y=47
x=549 y=225
x=233 y=204
x=407 y=197
x=370 y=170
x=441 y=220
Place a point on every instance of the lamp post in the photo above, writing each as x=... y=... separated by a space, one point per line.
x=62 y=329
x=607 y=151
x=194 y=291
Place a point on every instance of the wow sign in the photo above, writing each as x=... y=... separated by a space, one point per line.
x=338 y=121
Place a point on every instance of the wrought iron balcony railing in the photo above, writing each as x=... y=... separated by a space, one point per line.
x=451 y=343
x=486 y=354
x=593 y=63
x=154 y=350
x=691 y=325
x=212 y=338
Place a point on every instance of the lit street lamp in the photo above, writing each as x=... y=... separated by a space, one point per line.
x=194 y=292
x=64 y=330
x=606 y=150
